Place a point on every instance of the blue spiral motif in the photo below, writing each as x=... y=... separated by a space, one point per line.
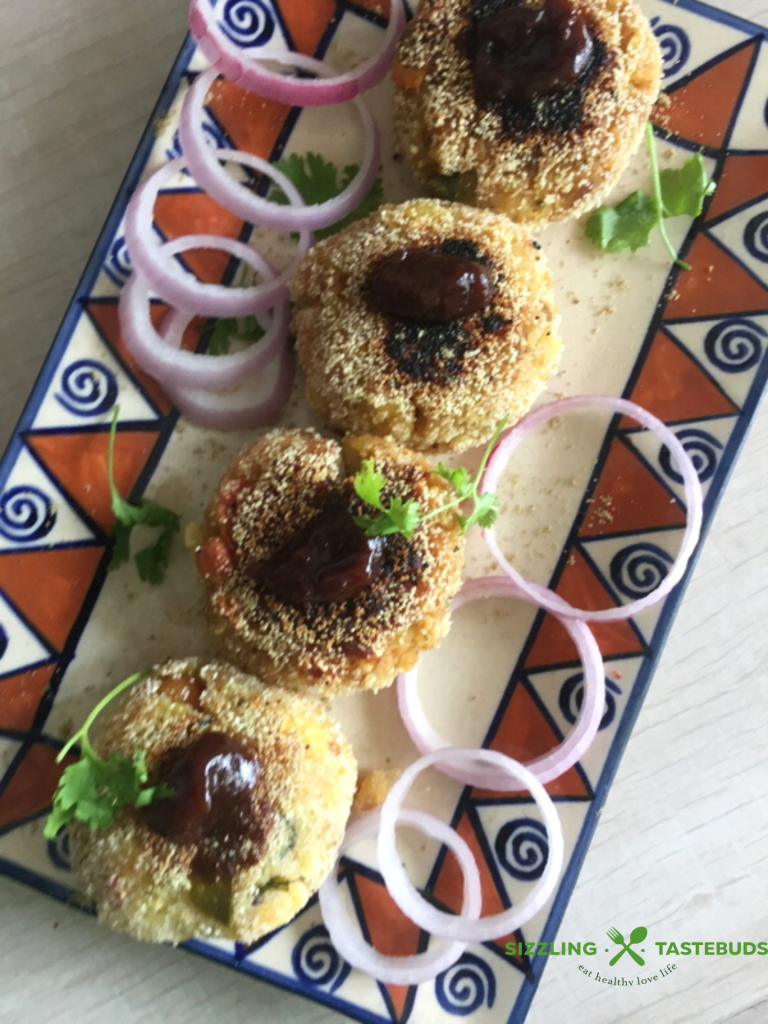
x=248 y=22
x=522 y=848
x=756 y=237
x=118 y=264
x=703 y=449
x=639 y=569
x=735 y=345
x=59 y=852
x=315 y=960
x=3 y=642
x=466 y=986
x=87 y=388
x=675 y=46
x=572 y=697
x=214 y=136
x=26 y=514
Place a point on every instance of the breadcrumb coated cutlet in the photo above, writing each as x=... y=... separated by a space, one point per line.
x=433 y=387
x=276 y=487
x=546 y=159
x=146 y=884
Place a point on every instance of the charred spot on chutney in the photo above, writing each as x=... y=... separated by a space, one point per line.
x=431 y=293
x=532 y=64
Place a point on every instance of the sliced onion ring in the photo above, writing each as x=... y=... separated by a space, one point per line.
x=546 y=768
x=693 y=496
x=204 y=164
x=178 y=368
x=464 y=927
x=152 y=259
x=399 y=970
x=244 y=67
x=253 y=405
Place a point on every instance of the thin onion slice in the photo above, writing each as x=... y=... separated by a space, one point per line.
x=546 y=768
x=244 y=66
x=693 y=497
x=174 y=367
x=399 y=970
x=204 y=164
x=253 y=405
x=151 y=257
x=463 y=926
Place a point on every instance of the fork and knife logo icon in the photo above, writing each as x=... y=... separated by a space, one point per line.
x=637 y=935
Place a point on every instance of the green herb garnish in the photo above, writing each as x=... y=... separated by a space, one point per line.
x=317 y=180
x=152 y=561
x=223 y=330
x=675 y=193
x=93 y=790
x=404 y=517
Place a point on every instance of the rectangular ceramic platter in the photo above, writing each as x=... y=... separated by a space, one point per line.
x=690 y=347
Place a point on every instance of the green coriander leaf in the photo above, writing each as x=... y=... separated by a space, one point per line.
x=404 y=515
x=683 y=191
x=225 y=329
x=485 y=512
x=459 y=477
x=152 y=566
x=626 y=226
x=369 y=484
x=317 y=181
x=121 y=550
x=152 y=561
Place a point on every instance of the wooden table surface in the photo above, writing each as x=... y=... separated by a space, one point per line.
x=684 y=851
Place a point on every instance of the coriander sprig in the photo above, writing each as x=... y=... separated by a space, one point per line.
x=92 y=790
x=152 y=561
x=318 y=181
x=404 y=516
x=629 y=224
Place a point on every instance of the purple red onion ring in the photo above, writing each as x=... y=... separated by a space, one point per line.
x=464 y=926
x=204 y=164
x=153 y=259
x=545 y=768
x=399 y=970
x=245 y=68
x=693 y=496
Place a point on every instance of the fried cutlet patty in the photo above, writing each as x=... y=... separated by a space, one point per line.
x=262 y=782
x=432 y=385
x=469 y=118
x=296 y=591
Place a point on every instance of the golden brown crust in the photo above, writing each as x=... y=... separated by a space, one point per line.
x=509 y=349
x=545 y=176
x=273 y=489
x=141 y=882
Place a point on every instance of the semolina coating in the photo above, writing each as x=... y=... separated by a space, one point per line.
x=275 y=488
x=553 y=157
x=146 y=884
x=358 y=363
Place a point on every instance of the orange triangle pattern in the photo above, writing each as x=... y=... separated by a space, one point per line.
x=252 y=122
x=744 y=177
x=307 y=22
x=523 y=734
x=719 y=286
x=195 y=213
x=31 y=789
x=20 y=697
x=673 y=386
x=391 y=932
x=582 y=588
x=628 y=497
x=49 y=587
x=701 y=110
x=79 y=463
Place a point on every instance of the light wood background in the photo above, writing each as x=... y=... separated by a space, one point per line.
x=683 y=850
